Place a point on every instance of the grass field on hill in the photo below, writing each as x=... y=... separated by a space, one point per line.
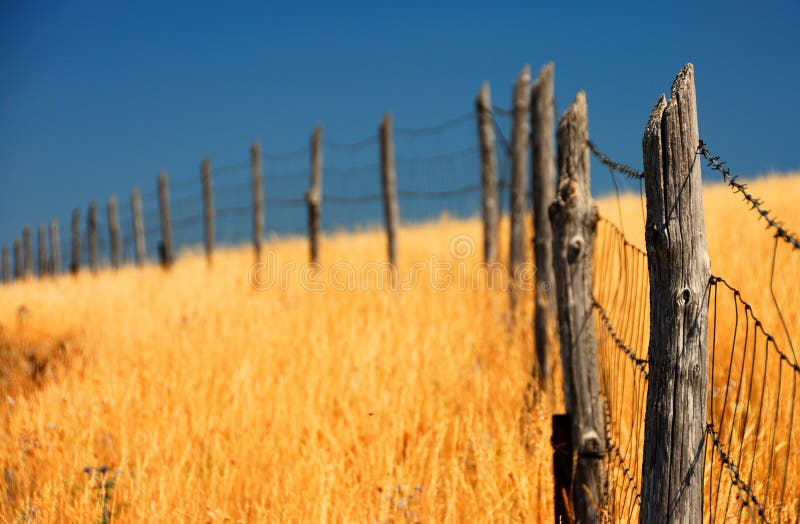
x=205 y=394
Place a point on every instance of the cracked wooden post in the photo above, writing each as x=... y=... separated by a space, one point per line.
x=519 y=179
x=6 y=265
x=678 y=265
x=55 y=248
x=27 y=252
x=113 y=231
x=257 y=178
x=138 y=227
x=19 y=271
x=91 y=236
x=573 y=215
x=165 y=248
x=389 y=186
x=483 y=107
x=543 y=175
x=314 y=194
x=208 y=208
x=75 y=259
x=42 y=245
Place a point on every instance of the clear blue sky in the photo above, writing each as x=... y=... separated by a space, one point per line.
x=96 y=97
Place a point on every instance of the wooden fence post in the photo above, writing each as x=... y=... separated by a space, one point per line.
x=75 y=262
x=573 y=215
x=208 y=207
x=138 y=226
x=165 y=248
x=42 y=245
x=389 y=185
x=113 y=231
x=6 y=265
x=678 y=265
x=519 y=177
x=483 y=107
x=91 y=236
x=18 y=269
x=314 y=195
x=55 y=248
x=27 y=252
x=257 y=175
x=543 y=176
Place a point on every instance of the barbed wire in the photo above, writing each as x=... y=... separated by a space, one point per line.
x=437 y=128
x=345 y=200
x=640 y=363
x=616 y=166
x=755 y=203
x=435 y=159
x=500 y=111
x=359 y=144
x=286 y=155
x=409 y=193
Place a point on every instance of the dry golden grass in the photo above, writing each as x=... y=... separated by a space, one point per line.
x=212 y=401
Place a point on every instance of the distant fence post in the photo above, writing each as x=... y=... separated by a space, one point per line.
x=519 y=177
x=483 y=107
x=27 y=252
x=314 y=195
x=165 y=249
x=138 y=226
x=574 y=218
x=75 y=262
x=42 y=245
x=113 y=231
x=257 y=176
x=55 y=248
x=543 y=174
x=18 y=269
x=208 y=207
x=389 y=185
x=91 y=236
x=6 y=265
x=678 y=265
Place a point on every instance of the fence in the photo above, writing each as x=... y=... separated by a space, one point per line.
x=680 y=402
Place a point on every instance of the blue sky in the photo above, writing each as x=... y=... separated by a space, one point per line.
x=96 y=97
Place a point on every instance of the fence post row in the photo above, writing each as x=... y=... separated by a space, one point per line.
x=113 y=231
x=389 y=186
x=483 y=107
x=42 y=245
x=6 y=265
x=256 y=174
x=165 y=247
x=679 y=269
x=27 y=252
x=55 y=248
x=543 y=181
x=574 y=219
x=138 y=226
x=314 y=194
x=91 y=235
x=208 y=207
x=519 y=174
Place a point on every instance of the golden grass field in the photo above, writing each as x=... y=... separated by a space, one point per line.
x=211 y=401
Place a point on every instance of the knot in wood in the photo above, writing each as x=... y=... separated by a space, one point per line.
x=575 y=248
x=590 y=445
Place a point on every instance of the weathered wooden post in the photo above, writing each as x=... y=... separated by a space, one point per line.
x=42 y=245
x=519 y=178
x=113 y=231
x=27 y=252
x=138 y=226
x=543 y=169
x=165 y=248
x=483 y=107
x=678 y=265
x=573 y=215
x=314 y=194
x=6 y=265
x=91 y=236
x=75 y=262
x=257 y=176
x=55 y=248
x=208 y=207
x=389 y=185
x=19 y=271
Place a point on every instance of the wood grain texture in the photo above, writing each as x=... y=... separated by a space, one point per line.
x=678 y=265
x=138 y=227
x=574 y=218
x=55 y=248
x=27 y=252
x=490 y=211
x=389 y=187
x=42 y=248
x=209 y=217
x=519 y=177
x=257 y=182
x=113 y=231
